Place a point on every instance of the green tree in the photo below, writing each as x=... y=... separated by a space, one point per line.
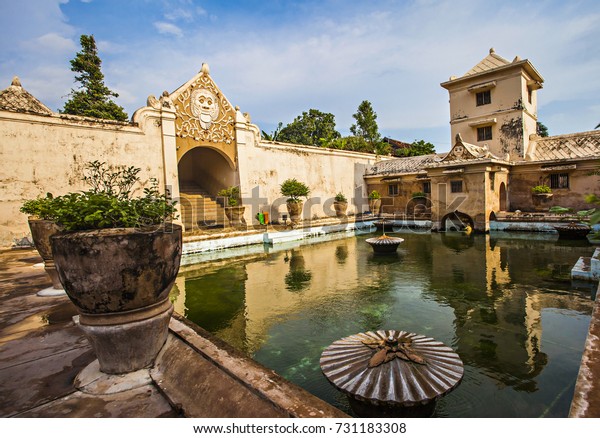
x=541 y=129
x=274 y=136
x=93 y=98
x=420 y=147
x=366 y=126
x=311 y=128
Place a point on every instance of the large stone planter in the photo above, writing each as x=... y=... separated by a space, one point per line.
x=541 y=201
x=375 y=206
x=340 y=208
x=235 y=215
x=295 y=211
x=41 y=232
x=119 y=279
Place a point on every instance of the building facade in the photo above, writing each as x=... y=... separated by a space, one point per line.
x=497 y=156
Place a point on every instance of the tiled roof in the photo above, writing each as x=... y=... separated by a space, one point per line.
x=488 y=63
x=404 y=165
x=16 y=98
x=565 y=147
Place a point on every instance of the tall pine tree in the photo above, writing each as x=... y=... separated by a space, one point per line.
x=93 y=98
x=366 y=127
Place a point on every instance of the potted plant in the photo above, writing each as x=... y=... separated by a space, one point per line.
x=340 y=205
x=541 y=196
x=233 y=208
x=374 y=202
x=42 y=224
x=117 y=259
x=294 y=189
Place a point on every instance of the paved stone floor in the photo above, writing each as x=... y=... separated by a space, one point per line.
x=42 y=351
x=48 y=368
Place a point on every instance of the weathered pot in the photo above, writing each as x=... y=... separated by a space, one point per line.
x=235 y=215
x=119 y=279
x=41 y=231
x=541 y=201
x=340 y=208
x=295 y=211
x=375 y=206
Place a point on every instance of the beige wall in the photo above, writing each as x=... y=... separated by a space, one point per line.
x=525 y=176
x=40 y=154
x=264 y=166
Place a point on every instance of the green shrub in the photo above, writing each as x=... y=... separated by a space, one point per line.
x=340 y=197
x=294 y=189
x=419 y=195
x=108 y=203
x=374 y=195
x=41 y=208
x=542 y=188
x=232 y=194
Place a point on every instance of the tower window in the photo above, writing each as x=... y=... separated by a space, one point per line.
x=427 y=187
x=484 y=97
x=484 y=133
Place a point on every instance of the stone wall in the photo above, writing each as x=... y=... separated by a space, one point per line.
x=264 y=166
x=48 y=153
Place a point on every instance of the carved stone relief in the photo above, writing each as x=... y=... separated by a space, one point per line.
x=203 y=113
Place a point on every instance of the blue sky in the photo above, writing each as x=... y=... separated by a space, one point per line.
x=275 y=59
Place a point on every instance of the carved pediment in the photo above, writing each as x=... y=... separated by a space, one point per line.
x=462 y=151
x=203 y=112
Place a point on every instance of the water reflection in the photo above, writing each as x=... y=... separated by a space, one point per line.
x=502 y=302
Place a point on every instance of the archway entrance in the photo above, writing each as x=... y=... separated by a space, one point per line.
x=456 y=221
x=503 y=197
x=203 y=172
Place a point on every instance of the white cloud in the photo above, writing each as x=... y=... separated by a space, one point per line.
x=52 y=42
x=168 y=28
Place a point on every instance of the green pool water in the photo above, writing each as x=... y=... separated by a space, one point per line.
x=503 y=302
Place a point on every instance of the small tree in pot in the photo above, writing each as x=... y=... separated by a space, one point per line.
x=42 y=223
x=233 y=208
x=294 y=189
x=340 y=205
x=117 y=260
x=374 y=202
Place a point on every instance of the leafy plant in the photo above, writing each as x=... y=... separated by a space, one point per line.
x=294 y=189
x=418 y=195
x=340 y=197
x=542 y=188
x=232 y=194
x=109 y=202
x=374 y=195
x=41 y=208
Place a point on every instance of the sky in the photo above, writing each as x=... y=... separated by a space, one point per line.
x=275 y=59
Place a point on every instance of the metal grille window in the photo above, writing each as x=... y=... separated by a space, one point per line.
x=484 y=133
x=456 y=186
x=427 y=187
x=393 y=190
x=559 y=181
x=484 y=98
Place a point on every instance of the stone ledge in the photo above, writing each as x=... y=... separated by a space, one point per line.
x=205 y=377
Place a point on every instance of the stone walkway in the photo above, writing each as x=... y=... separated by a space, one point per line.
x=48 y=369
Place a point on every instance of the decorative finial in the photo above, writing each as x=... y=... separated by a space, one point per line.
x=517 y=58
x=452 y=77
x=459 y=138
x=492 y=50
x=16 y=82
x=205 y=69
x=237 y=108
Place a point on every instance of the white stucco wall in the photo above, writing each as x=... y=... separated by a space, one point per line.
x=40 y=154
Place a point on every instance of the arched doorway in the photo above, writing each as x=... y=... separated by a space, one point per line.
x=203 y=172
x=503 y=197
x=456 y=221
